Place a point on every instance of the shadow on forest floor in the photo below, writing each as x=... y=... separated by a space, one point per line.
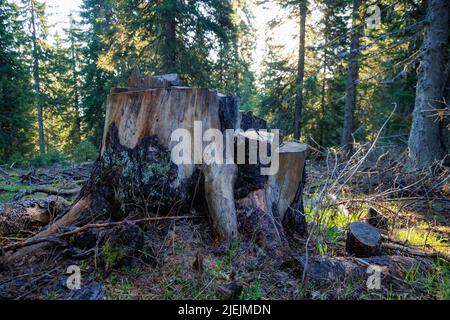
x=180 y=259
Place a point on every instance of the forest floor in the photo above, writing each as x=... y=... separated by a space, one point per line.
x=180 y=259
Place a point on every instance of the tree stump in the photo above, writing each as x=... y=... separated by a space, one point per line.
x=377 y=220
x=134 y=175
x=363 y=240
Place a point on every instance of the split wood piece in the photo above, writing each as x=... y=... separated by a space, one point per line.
x=25 y=214
x=153 y=82
x=284 y=189
x=259 y=224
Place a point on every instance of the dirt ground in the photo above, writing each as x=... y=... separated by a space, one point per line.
x=180 y=259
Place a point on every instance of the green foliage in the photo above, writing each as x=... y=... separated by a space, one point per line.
x=252 y=292
x=382 y=80
x=112 y=257
x=98 y=17
x=49 y=158
x=85 y=151
x=15 y=124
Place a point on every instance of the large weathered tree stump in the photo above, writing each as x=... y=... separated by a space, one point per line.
x=134 y=175
x=363 y=240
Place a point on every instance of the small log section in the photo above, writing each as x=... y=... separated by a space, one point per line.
x=363 y=240
x=135 y=177
x=377 y=220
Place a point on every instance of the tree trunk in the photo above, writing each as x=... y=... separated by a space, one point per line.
x=169 y=46
x=324 y=88
x=425 y=144
x=135 y=176
x=352 y=79
x=37 y=80
x=76 y=94
x=445 y=124
x=300 y=72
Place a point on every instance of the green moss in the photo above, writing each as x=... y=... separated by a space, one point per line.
x=112 y=256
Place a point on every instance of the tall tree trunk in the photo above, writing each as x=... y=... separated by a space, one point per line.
x=352 y=79
x=37 y=80
x=76 y=95
x=445 y=124
x=300 y=72
x=323 y=100
x=169 y=54
x=425 y=144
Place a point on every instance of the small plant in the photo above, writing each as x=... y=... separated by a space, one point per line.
x=112 y=257
x=253 y=292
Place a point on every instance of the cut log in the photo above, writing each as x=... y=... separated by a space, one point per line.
x=363 y=240
x=377 y=220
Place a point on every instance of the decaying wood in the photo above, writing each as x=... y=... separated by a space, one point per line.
x=340 y=268
x=134 y=174
x=363 y=240
x=55 y=237
x=416 y=252
x=284 y=189
x=260 y=224
x=219 y=189
x=25 y=214
x=377 y=220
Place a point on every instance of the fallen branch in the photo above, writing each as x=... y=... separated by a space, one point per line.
x=54 y=238
x=23 y=193
x=4 y=172
x=416 y=252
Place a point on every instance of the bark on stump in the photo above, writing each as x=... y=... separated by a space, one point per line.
x=134 y=175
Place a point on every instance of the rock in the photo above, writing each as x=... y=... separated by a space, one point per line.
x=377 y=220
x=363 y=240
